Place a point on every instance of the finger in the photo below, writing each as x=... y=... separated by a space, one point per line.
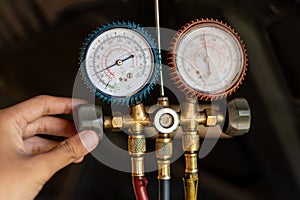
x=50 y=125
x=36 y=145
x=79 y=160
x=70 y=150
x=32 y=109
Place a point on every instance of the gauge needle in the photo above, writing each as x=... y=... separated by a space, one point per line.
x=107 y=84
x=117 y=63
x=207 y=58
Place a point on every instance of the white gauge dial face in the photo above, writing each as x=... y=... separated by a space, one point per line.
x=119 y=62
x=209 y=59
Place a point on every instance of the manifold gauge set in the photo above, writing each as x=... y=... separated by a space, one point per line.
x=121 y=64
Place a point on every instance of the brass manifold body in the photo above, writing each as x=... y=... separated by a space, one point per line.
x=190 y=118
x=163 y=120
x=139 y=118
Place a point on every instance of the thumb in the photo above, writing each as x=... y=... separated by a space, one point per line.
x=69 y=151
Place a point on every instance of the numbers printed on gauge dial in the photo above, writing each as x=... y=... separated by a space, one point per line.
x=119 y=62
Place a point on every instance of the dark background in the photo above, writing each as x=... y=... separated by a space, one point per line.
x=40 y=41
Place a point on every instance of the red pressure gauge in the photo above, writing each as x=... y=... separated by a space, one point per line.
x=208 y=59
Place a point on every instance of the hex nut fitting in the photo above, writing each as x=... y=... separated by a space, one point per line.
x=117 y=122
x=211 y=117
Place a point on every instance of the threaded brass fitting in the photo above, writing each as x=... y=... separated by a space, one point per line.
x=191 y=163
x=164 y=151
x=137 y=166
x=190 y=141
x=163 y=148
x=164 y=169
x=136 y=145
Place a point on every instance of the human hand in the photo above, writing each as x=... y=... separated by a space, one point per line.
x=27 y=161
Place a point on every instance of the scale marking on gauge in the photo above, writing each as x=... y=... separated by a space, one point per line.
x=115 y=54
x=213 y=51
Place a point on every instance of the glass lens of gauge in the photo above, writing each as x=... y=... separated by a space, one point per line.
x=119 y=62
x=209 y=59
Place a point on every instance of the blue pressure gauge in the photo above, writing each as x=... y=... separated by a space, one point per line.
x=119 y=63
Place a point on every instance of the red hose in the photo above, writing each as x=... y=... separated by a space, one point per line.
x=139 y=184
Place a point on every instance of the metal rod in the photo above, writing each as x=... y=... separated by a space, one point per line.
x=162 y=91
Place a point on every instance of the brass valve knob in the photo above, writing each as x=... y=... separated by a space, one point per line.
x=238 y=117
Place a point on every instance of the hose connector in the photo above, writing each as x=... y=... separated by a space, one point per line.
x=136 y=149
x=164 y=153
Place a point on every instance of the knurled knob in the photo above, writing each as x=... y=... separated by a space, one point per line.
x=164 y=148
x=238 y=118
x=136 y=145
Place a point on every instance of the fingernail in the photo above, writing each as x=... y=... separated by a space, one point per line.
x=89 y=139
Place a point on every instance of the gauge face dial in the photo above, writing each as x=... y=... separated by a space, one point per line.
x=119 y=62
x=209 y=59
